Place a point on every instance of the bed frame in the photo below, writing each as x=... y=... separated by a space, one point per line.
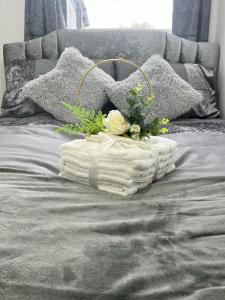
x=137 y=45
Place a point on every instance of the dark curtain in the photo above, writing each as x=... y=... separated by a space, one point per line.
x=44 y=16
x=191 y=19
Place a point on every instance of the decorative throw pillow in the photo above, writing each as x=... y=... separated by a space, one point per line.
x=173 y=96
x=18 y=73
x=203 y=81
x=61 y=85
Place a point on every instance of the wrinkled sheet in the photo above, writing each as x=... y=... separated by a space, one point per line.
x=38 y=119
x=61 y=240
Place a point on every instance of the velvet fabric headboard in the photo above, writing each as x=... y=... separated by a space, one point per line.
x=137 y=45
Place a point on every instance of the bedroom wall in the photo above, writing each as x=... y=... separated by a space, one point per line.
x=11 y=29
x=217 y=35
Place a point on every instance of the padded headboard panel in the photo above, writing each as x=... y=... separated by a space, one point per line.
x=137 y=45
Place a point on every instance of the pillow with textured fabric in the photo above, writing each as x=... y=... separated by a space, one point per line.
x=173 y=96
x=17 y=74
x=61 y=84
x=200 y=78
x=203 y=81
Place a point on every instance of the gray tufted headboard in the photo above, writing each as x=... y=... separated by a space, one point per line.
x=137 y=45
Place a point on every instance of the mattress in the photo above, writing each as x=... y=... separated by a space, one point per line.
x=62 y=240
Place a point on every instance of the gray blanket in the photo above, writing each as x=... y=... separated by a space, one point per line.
x=65 y=241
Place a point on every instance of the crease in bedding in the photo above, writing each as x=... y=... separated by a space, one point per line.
x=63 y=240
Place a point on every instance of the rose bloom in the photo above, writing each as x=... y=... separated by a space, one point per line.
x=115 y=123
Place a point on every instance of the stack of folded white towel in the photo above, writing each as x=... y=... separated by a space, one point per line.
x=115 y=164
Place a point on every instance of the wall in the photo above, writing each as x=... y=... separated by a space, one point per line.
x=217 y=34
x=11 y=29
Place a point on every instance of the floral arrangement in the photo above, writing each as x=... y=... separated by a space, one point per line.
x=133 y=125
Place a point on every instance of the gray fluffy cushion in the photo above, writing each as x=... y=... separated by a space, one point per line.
x=173 y=96
x=61 y=85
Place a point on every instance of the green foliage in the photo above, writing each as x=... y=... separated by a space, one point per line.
x=138 y=108
x=90 y=121
x=156 y=126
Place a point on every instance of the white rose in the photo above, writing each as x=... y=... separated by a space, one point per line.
x=135 y=128
x=116 y=123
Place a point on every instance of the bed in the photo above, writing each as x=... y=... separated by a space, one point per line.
x=61 y=240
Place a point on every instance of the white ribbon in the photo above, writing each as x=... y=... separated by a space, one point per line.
x=93 y=168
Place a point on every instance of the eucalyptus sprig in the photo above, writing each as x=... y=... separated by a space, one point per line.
x=138 y=108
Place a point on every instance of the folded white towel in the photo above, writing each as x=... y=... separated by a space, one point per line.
x=83 y=162
x=116 y=164
x=124 y=170
x=112 y=188
x=113 y=177
x=116 y=169
x=89 y=149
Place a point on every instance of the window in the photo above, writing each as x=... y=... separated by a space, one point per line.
x=71 y=15
x=130 y=13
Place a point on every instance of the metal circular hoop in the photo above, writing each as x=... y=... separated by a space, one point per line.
x=106 y=61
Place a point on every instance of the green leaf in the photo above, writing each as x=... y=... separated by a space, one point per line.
x=154 y=131
x=90 y=121
x=164 y=121
x=150 y=98
x=138 y=89
x=163 y=130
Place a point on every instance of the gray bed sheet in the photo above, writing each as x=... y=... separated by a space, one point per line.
x=64 y=241
x=38 y=119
